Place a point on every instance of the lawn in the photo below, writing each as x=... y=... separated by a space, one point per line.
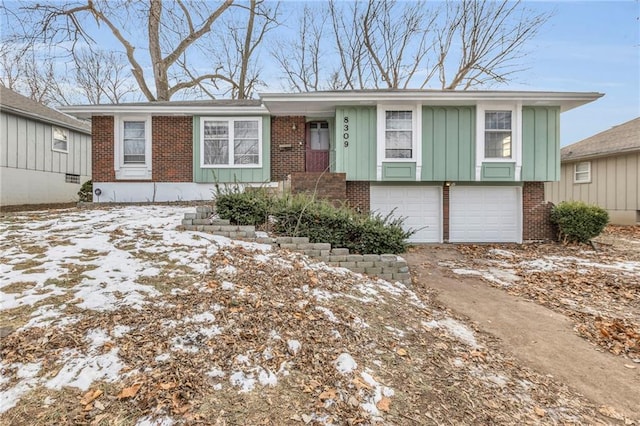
x=114 y=316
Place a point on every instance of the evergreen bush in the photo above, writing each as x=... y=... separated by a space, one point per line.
x=578 y=222
x=86 y=192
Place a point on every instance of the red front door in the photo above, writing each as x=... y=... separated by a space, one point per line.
x=317 y=147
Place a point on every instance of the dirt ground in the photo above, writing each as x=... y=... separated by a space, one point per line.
x=565 y=311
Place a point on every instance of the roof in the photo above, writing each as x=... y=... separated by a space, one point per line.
x=17 y=104
x=199 y=107
x=620 y=139
x=323 y=103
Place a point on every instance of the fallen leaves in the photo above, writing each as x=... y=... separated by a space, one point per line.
x=383 y=404
x=90 y=396
x=129 y=392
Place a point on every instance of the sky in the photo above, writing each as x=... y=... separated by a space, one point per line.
x=588 y=46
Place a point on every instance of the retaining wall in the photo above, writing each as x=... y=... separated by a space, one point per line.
x=386 y=266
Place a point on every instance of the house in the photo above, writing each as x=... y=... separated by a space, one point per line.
x=45 y=155
x=603 y=169
x=459 y=166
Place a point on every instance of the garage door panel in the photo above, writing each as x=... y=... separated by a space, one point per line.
x=420 y=206
x=484 y=214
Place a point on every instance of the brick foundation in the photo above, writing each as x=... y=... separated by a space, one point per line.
x=359 y=195
x=536 y=213
x=331 y=186
x=172 y=150
x=287 y=146
x=102 y=145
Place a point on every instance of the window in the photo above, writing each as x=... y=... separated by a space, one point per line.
x=132 y=151
x=134 y=142
x=60 y=140
x=319 y=135
x=398 y=136
x=70 y=178
x=582 y=172
x=497 y=134
x=231 y=142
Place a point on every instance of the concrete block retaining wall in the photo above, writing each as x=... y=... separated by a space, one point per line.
x=386 y=266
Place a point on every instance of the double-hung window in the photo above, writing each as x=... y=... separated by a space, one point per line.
x=398 y=134
x=133 y=147
x=134 y=142
x=231 y=142
x=582 y=172
x=498 y=134
x=60 y=140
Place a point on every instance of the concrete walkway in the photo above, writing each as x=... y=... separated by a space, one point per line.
x=540 y=338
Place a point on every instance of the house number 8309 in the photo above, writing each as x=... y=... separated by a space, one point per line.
x=345 y=130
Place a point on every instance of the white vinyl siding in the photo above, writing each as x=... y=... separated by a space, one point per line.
x=231 y=142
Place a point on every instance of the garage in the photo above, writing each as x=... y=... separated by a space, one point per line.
x=419 y=205
x=485 y=214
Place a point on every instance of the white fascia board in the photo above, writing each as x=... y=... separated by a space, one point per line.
x=565 y=100
x=86 y=111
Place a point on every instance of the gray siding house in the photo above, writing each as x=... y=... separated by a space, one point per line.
x=603 y=169
x=45 y=155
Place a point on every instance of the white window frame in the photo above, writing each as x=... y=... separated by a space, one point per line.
x=416 y=139
x=230 y=121
x=516 y=136
x=137 y=171
x=65 y=132
x=576 y=172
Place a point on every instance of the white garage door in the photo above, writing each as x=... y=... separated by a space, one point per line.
x=419 y=205
x=485 y=214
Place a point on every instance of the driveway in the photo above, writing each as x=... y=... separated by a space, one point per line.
x=492 y=287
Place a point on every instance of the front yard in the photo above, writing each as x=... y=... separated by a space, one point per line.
x=115 y=317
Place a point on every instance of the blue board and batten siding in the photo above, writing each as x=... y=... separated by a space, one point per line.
x=448 y=143
x=27 y=144
x=231 y=174
x=355 y=146
x=540 y=143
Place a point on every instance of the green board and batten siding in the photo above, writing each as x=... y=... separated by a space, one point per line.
x=227 y=175
x=540 y=143
x=358 y=159
x=448 y=143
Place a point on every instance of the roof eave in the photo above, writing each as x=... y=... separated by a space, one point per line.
x=599 y=155
x=17 y=111
x=87 y=111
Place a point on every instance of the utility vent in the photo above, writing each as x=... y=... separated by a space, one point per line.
x=69 y=178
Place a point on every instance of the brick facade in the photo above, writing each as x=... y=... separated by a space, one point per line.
x=536 y=213
x=102 y=145
x=445 y=213
x=358 y=195
x=172 y=150
x=331 y=186
x=287 y=146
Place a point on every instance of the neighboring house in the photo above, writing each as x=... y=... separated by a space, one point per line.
x=460 y=166
x=603 y=169
x=45 y=155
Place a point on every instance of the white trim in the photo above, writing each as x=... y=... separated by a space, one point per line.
x=230 y=121
x=132 y=171
x=516 y=136
x=65 y=132
x=166 y=109
x=418 y=137
x=381 y=139
x=135 y=192
x=588 y=172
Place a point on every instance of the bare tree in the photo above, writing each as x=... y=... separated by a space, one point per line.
x=102 y=77
x=384 y=43
x=172 y=30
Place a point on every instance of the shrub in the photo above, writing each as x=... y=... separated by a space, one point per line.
x=578 y=221
x=86 y=192
x=249 y=207
x=322 y=222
